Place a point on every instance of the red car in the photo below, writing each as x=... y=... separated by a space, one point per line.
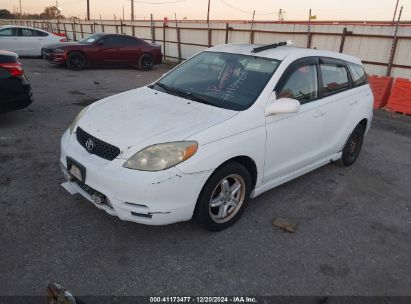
x=104 y=50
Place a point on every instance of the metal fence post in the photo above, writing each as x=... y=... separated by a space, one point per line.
x=178 y=44
x=164 y=40
x=153 y=30
x=343 y=39
x=81 y=29
x=73 y=27
x=226 y=33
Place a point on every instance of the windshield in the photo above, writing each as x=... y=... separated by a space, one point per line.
x=224 y=80
x=91 y=39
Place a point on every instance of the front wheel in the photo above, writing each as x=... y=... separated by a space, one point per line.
x=76 y=61
x=353 y=147
x=224 y=197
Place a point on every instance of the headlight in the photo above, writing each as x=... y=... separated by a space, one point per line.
x=162 y=156
x=58 y=51
x=75 y=121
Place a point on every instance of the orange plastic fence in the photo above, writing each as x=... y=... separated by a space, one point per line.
x=400 y=98
x=381 y=88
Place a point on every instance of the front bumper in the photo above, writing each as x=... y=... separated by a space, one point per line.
x=152 y=198
x=57 y=58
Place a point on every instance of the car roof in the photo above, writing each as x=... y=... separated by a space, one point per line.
x=281 y=53
x=8 y=53
x=22 y=26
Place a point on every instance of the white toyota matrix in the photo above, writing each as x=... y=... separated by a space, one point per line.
x=226 y=125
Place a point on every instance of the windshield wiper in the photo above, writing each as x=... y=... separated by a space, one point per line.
x=184 y=94
x=171 y=90
x=197 y=98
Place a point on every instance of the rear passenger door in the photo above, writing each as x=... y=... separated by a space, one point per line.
x=129 y=50
x=336 y=87
x=31 y=42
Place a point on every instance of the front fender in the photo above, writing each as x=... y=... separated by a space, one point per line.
x=250 y=143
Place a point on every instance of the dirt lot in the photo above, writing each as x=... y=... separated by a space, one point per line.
x=353 y=235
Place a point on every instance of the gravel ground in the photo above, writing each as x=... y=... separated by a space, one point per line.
x=353 y=232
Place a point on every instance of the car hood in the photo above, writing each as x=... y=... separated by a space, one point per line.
x=136 y=119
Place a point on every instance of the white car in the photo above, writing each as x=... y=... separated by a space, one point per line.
x=26 y=41
x=229 y=123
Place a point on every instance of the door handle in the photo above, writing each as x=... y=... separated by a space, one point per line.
x=353 y=102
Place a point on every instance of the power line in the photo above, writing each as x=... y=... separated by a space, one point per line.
x=247 y=12
x=72 y=2
x=163 y=2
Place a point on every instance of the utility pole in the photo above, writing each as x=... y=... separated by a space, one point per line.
x=251 y=30
x=208 y=12
x=394 y=44
x=21 y=12
x=310 y=17
x=132 y=10
x=281 y=15
x=395 y=12
x=88 y=9
x=123 y=12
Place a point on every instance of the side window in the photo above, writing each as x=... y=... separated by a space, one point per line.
x=335 y=78
x=115 y=40
x=8 y=32
x=358 y=74
x=39 y=34
x=130 y=41
x=302 y=84
x=28 y=33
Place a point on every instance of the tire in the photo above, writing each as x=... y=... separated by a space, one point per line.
x=146 y=62
x=76 y=61
x=353 y=147
x=229 y=201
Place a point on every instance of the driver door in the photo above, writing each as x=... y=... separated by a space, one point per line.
x=107 y=51
x=294 y=140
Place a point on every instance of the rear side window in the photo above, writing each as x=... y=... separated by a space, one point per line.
x=335 y=78
x=301 y=85
x=358 y=74
x=32 y=33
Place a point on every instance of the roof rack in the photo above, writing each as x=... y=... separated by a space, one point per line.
x=272 y=46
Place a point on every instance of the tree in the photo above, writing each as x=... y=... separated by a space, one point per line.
x=51 y=12
x=5 y=14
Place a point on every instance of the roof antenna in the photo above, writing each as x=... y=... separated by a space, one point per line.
x=273 y=46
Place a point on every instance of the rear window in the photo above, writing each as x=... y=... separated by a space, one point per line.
x=7 y=58
x=335 y=78
x=358 y=74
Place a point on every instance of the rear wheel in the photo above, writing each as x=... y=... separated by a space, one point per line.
x=76 y=61
x=353 y=147
x=146 y=62
x=224 y=197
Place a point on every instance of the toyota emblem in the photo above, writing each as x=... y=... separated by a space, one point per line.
x=89 y=145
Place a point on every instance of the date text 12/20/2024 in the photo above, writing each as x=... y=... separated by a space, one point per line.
x=236 y=299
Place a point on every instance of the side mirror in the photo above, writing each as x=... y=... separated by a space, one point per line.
x=283 y=106
x=100 y=43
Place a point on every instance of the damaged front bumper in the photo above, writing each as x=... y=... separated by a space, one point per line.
x=152 y=198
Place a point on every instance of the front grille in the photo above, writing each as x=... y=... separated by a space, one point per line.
x=98 y=147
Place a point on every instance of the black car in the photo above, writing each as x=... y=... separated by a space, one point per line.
x=15 y=89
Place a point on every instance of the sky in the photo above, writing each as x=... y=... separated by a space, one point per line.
x=222 y=9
